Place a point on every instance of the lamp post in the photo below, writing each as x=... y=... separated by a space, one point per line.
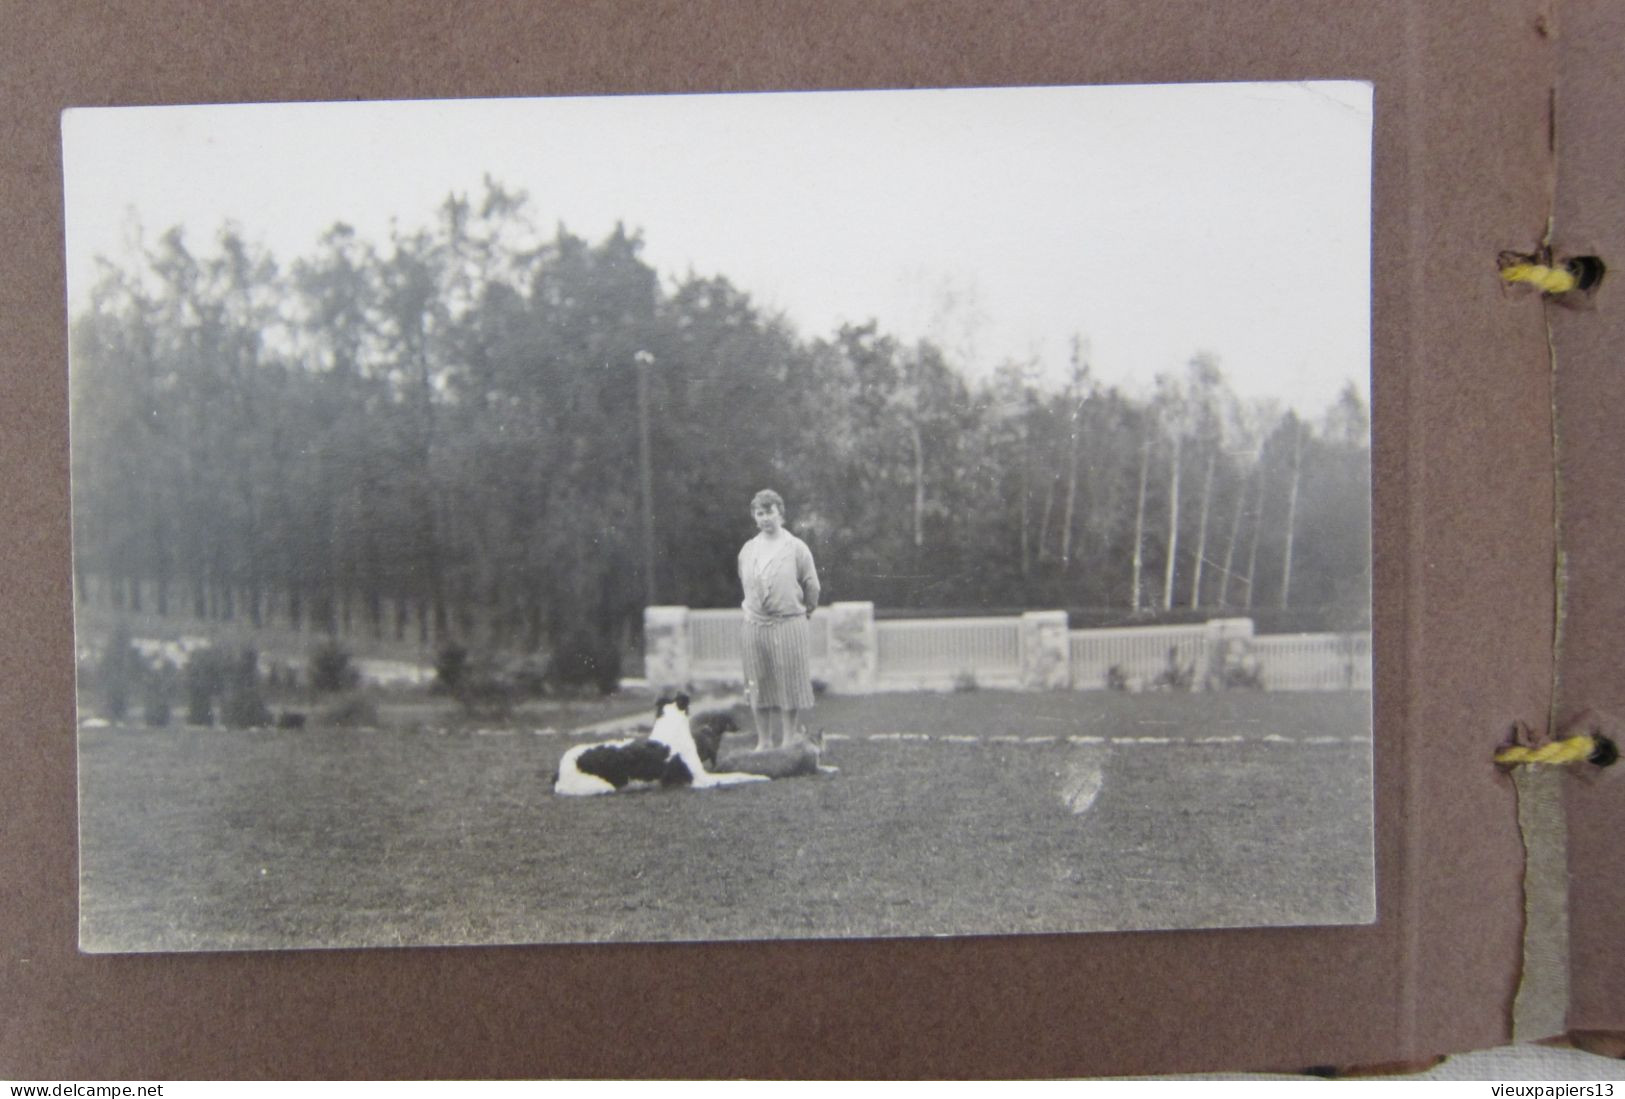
x=646 y=477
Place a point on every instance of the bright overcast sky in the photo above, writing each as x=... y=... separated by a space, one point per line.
x=1154 y=221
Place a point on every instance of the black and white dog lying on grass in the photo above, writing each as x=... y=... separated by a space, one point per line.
x=674 y=753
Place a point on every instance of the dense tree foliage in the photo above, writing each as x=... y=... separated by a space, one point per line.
x=441 y=438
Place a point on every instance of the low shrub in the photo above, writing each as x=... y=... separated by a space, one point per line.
x=157 y=706
x=119 y=674
x=585 y=661
x=243 y=708
x=330 y=669
x=487 y=695
x=1235 y=668
x=224 y=688
x=1175 y=676
x=157 y=712
x=281 y=677
x=528 y=676
x=207 y=676
x=1246 y=677
x=486 y=686
x=450 y=668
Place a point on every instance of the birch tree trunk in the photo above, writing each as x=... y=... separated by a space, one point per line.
x=1043 y=524
x=1070 y=509
x=1173 y=525
x=1258 y=526
x=1230 y=547
x=1201 y=529
x=1291 y=516
x=1026 y=504
x=919 y=484
x=1139 y=519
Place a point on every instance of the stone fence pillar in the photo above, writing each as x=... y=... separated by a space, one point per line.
x=1046 y=656
x=854 y=648
x=666 y=659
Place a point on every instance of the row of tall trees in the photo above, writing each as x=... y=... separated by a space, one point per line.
x=441 y=435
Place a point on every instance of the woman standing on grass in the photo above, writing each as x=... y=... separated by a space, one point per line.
x=781 y=592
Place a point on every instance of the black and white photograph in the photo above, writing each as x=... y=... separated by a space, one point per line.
x=753 y=516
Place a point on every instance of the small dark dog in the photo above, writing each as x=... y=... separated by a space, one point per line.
x=709 y=729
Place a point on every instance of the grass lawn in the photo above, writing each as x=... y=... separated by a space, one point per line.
x=981 y=812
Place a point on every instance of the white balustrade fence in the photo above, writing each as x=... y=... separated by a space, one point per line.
x=713 y=642
x=1137 y=654
x=1314 y=661
x=1009 y=652
x=948 y=652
